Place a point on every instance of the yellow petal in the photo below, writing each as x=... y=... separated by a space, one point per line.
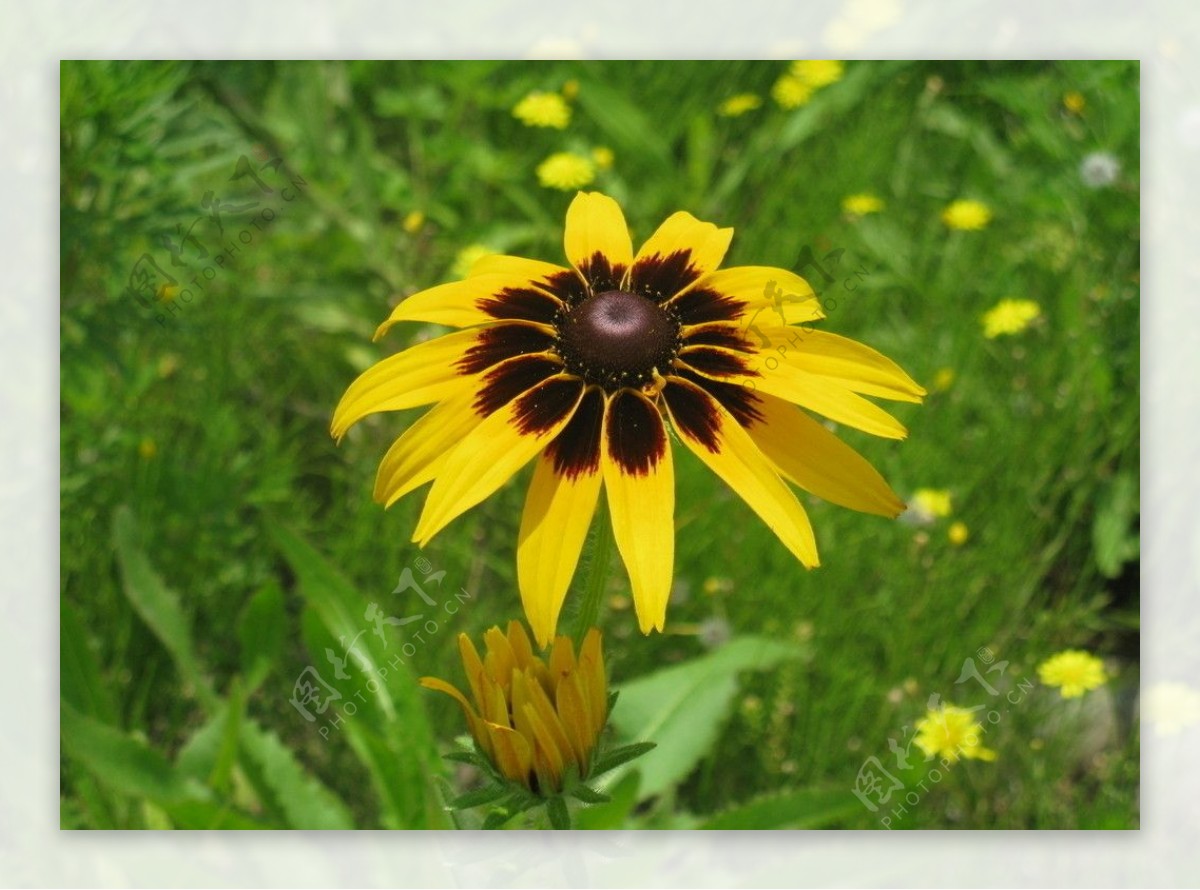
x=857 y=367
x=534 y=272
x=529 y=723
x=518 y=641
x=442 y=686
x=818 y=461
x=822 y=395
x=714 y=436
x=572 y=710
x=554 y=525
x=472 y=666
x=417 y=376
x=774 y=296
x=536 y=697
x=683 y=232
x=416 y=457
x=562 y=661
x=595 y=224
x=499 y=661
x=591 y=671
x=453 y=304
x=513 y=754
x=486 y=459
x=642 y=504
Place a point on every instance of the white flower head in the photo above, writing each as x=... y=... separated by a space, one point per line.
x=1099 y=169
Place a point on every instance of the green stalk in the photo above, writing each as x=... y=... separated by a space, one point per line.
x=597 y=579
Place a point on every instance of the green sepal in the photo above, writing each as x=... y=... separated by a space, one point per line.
x=587 y=794
x=617 y=756
x=479 y=797
x=556 y=809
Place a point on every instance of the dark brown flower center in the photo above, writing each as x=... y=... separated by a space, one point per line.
x=616 y=339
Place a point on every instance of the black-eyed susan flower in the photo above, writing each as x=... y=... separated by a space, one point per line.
x=583 y=369
x=542 y=109
x=537 y=722
x=1073 y=671
x=951 y=733
x=966 y=215
x=1010 y=317
x=566 y=171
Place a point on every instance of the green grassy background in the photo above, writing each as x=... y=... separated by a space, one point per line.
x=215 y=541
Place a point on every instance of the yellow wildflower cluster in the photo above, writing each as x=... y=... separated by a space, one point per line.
x=803 y=78
x=566 y=171
x=542 y=109
x=966 y=215
x=1010 y=317
x=736 y=106
x=1073 y=671
x=861 y=204
x=951 y=733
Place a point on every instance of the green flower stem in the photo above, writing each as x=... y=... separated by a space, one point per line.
x=597 y=579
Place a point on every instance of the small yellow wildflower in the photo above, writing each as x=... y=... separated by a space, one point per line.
x=468 y=257
x=958 y=533
x=1009 y=317
x=167 y=292
x=966 y=215
x=543 y=110
x=943 y=379
x=817 y=73
x=951 y=733
x=1074 y=102
x=538 y=722
x=791 y=92
x=861 y=204
x=1074 y=670
x=566 y=171
x=735 y=106
x=147 y=448
x=413 y=222
x=603 y=156
x=933 y=502
x=570 y=89
x=714 y=585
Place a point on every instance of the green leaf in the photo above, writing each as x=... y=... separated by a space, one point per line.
x=623 y=123
x=155 y=603
x=260 y=633
x=122 y=762
x=80 y=683
x=301 y=798
x=390 y=732
x=801 y=808
x=1113 y=537
x=682 y=707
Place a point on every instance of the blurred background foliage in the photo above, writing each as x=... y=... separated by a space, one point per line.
x=216 y=544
